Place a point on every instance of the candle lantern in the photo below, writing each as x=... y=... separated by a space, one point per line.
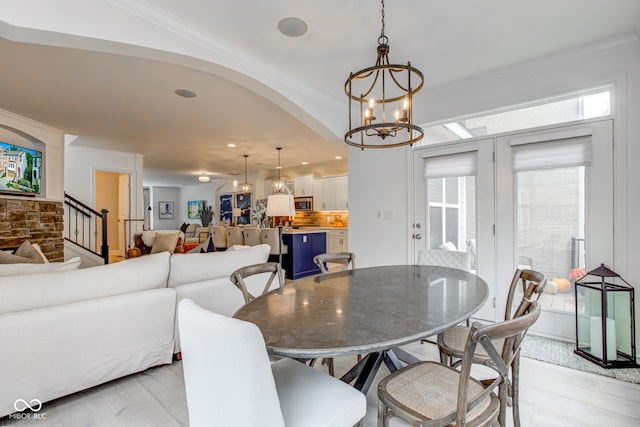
x=605 y=319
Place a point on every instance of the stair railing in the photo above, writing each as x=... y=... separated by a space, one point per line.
x=83 y=225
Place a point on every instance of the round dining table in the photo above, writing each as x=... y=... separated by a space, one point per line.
x=370 y=311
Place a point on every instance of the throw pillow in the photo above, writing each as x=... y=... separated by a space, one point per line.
x=9 y=258
x=210 y=247
x=238 y=247
x=28 y=250
x=24 y=250
x=165 y=242
x=148 y=237
x=38 y=250
x=183 y=227
x=204 y=247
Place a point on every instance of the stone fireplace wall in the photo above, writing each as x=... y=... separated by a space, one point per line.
x=40 y=221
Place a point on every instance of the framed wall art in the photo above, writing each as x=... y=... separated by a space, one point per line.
x=193 y=209
x=165 y=210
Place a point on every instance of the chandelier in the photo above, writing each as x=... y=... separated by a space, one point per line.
x=245 y=187
x=381 y=102
x=277 y=185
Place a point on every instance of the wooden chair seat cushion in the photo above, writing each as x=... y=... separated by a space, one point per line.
x=429 y=391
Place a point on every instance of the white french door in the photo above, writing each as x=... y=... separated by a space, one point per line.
x=454 y=206
x=544 y=201
x=555 y=212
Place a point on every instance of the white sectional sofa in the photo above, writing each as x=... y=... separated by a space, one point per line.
x=63 y=332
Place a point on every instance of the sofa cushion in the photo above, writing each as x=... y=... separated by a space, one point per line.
x=29 y=268
x=165 y=242
x=197 y=267
x=47 y=289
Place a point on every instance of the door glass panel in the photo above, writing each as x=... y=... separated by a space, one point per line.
x=550 y=215
x=452 y=215
x=435 y=227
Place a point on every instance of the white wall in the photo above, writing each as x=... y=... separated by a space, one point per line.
x=81 y=164
x=165 y=194
x=206 y=192
x=378 y=200
x=53 y=140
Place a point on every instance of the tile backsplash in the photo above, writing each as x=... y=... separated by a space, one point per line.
x=321 y=219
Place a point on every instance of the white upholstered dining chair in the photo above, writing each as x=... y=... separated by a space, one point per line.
x=230 y=382
x=445 y=258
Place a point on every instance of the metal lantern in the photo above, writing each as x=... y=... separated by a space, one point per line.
x=605 y=319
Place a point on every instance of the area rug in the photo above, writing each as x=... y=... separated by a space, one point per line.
x=561 y=353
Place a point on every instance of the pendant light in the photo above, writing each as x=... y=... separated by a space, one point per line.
x=245 y=187
x=278 y=185
x=381 y=102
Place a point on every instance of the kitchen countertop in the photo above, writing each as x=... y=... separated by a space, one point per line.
x=302 y=231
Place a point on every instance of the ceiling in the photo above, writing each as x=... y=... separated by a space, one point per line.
x=107 y=71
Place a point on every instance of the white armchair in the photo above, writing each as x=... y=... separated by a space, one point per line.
x=229 y=380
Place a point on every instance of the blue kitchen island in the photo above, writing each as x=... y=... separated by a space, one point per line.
x=302 y=246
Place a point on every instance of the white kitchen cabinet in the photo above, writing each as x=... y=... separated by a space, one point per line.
x=318 y=194
x=337 y=241
x=330 y=194
x=342 y=193
x=303 y=186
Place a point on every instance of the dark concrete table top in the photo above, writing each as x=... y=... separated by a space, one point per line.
x=364 y=310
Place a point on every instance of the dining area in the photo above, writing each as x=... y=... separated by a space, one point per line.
x=276 y=346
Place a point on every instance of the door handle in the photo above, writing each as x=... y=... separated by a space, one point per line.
x=417 y=236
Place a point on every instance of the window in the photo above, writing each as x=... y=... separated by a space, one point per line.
x=451 y=197
x=596 y=103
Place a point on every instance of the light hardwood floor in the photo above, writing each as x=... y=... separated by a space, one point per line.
x=550 y=396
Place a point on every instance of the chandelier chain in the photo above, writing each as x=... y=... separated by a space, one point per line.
x=382 y=13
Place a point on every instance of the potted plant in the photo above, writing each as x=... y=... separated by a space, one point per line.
x=205 y=213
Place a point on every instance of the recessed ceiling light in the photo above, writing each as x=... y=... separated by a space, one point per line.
x=292 y=27
x=305 y=163
x=185 y=93
x=338 y=157
x=231 y=145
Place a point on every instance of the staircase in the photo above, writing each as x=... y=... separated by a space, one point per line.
x=86 y=228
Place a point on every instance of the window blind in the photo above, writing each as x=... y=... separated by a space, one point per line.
x=462 y=164
x=552 y=154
